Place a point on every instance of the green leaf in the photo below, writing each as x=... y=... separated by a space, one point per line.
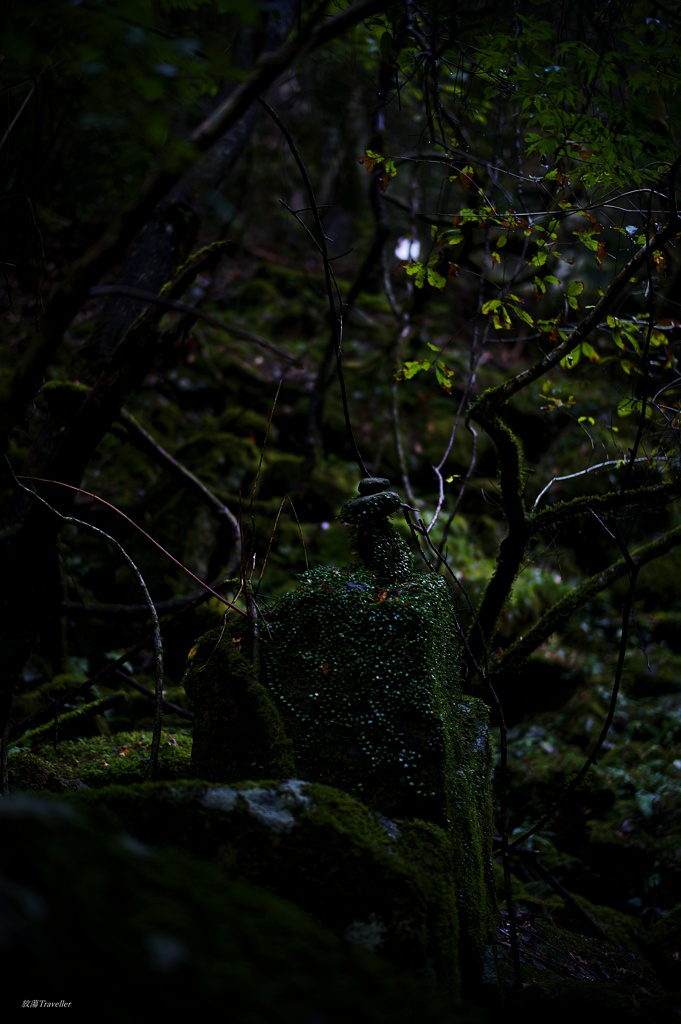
x=590 y=352
x=569 y=361
x=434 y=279
x=412 y=367
x=575 y=288
x=417 y=271
x=628 y=406
x=524 y=315
x=445 y=376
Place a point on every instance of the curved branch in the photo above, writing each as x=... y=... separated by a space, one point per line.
x=142 y=439
x=638 y=498
x=158 y=643
x=182 y=307
x=96 y=497
x=514 y=656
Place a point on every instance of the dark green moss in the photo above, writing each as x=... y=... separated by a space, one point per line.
x=362 y=675
x=386 y=887
x=91 y=913
x=238 y=732
x=375 y=541
x=366 y=680
x=99 y=761
x=597 y=976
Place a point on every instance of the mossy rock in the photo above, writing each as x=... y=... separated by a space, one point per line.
x=387 y=887
x=238 y=732
x=580 y=958
x=99 y=761
x=365 y=676
x=358 y=689
x=94 y=914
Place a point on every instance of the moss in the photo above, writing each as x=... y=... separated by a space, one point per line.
x=84 y=903
x=238 y=732
x=365 y=677
x=100 y=761
x=663 y=945
x=598 y=976
x=69 y=724
x=28 y=703
x=360 y=671
x=351 y=665
x=375 y=541
x=384 y=886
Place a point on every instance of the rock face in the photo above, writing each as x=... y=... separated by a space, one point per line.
x=360 y=670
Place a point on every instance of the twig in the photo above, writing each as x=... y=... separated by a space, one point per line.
x=96 y=497
x=330 y=280
x=129 y=681
x=53 y=706
x=158 y=644
x=99 y=609
x=183 y=307
x=164 y=458
x=619 y=463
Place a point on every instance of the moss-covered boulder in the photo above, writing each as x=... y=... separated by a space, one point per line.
x=388 y=888
x=92 y=916
x=365 y=677
x=238 y=732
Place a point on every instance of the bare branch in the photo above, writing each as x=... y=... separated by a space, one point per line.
x=183 y=307
x=158 y=643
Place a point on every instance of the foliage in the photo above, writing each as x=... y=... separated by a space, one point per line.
x=516 y=379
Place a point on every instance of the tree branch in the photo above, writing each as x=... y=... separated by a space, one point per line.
x=194 y=311
x=495 y=398
x=514 y=656
x=70 y=295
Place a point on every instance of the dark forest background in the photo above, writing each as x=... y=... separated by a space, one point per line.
x=251 y=252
